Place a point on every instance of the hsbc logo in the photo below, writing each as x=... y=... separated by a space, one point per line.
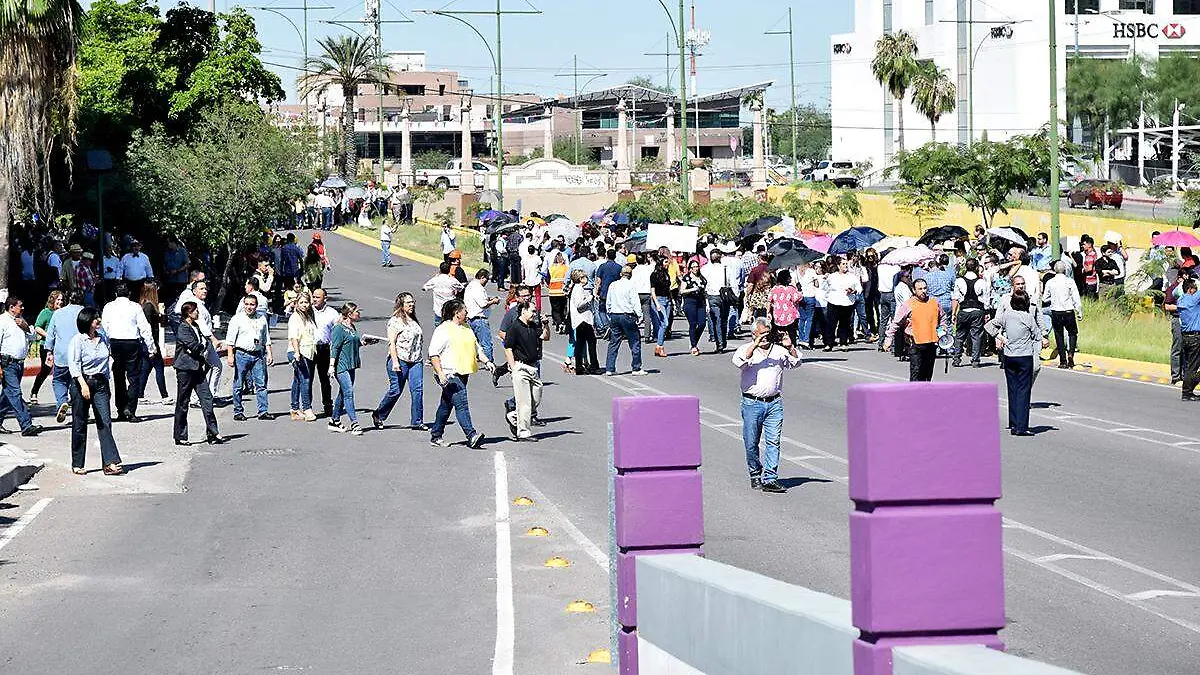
x=1171 y=31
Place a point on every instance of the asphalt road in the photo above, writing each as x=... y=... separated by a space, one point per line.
x=296 y=549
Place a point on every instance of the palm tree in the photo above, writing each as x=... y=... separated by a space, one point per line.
x=934 y=94
x=894 y=67
x=38 y=42
x=348 y=62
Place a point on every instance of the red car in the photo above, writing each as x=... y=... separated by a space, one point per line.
x=1094 y=192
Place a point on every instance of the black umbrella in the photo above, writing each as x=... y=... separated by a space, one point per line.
x=781 y=246
x=938 y=235
x=500 y=227
x=759 y=226
x=798 y=255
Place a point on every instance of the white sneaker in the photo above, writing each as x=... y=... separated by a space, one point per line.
x=167 y=401
x=144 y=401
x=356 y=430
x=335 y=427
x=639 y=372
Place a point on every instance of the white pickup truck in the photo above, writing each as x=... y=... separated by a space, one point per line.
x=451 y=175
x=839 y=173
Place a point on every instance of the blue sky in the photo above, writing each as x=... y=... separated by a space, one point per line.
x=610 y=36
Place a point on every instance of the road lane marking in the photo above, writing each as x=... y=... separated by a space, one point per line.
x=593 y=551
x=13 y=530
x=502 y=658
x=1047 y=563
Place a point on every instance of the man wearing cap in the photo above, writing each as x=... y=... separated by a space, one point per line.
x=68 y=278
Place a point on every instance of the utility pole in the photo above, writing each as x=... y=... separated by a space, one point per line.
x=1052 y=189
x=683 y=168
x=1175 y=145
x=792 y=64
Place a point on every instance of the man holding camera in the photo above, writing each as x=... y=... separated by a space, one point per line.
x=762 y=363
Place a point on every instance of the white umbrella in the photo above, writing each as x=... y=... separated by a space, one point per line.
x=895 y=242
x=1008 y=234
x=913 y=255
x=563 y=227
x=1111 y=237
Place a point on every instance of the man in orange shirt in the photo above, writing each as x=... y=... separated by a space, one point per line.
x=924 y=315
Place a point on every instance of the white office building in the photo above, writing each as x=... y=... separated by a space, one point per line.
x=998 y=56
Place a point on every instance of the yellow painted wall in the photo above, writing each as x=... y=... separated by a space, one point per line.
x=879 y=211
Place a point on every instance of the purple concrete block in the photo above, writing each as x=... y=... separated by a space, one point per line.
x=922 y=568
x=627 y=581
x=876 y=659
x=659 y=508
x=656 y=432
x=627 y=652
x=923 y=442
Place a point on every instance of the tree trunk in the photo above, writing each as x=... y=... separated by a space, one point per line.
x=5 y=231
x=933 y=130
x=349 y=149
x=226 y=276
x=900 y=121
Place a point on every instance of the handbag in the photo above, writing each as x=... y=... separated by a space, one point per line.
x=728 y=296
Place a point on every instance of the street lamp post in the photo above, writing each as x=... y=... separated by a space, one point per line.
x=1052 y=189
x=792 y=65
x=679 y=36
x=303 y=35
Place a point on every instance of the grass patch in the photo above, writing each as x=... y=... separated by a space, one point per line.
x=1104 y=331
x=428 y=240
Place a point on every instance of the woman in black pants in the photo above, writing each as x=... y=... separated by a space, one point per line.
x=581 y=308
x=692 y=288
x=88 y=362
x=191 y=371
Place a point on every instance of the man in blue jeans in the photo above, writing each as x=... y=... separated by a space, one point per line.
x=248 y=352
x=15 y=335
x=58 y=337
x=762 y=363
x=624 y=315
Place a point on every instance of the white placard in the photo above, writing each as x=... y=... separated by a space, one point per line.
x=677 y=238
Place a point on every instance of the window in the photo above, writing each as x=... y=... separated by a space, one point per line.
x=1187 y=6
x=1146 y=6
x=1085 y=6
x=928 y=12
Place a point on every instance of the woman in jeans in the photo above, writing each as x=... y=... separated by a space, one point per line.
x=53 y=302
x=404 y=364
x=660 y=303
x=344 y=361
x=88 y=362
x=156 y=319
x=302 y=350
x=695 y=299
x=583 y=321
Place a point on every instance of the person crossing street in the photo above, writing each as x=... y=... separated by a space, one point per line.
x=762 y=363
x=523 y=350
x=925 y=317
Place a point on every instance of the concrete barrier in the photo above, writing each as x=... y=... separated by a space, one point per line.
x=967 y=660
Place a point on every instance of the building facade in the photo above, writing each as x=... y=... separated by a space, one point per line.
x=998 y=56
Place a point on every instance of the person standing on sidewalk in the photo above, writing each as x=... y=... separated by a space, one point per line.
x=1065 y=312
x=523 y=350
x=191 y=370
x=325 y=316
x=967 y=304
x=924 y=316
x=129 y=337
x=762 y=363
x=454 y=354
x=404 y=364
x=248 y=352
x=59 y=333
x=344 y=360
x=1187 y=303
x=87 y=359
x=15 y=335
x=624 y=313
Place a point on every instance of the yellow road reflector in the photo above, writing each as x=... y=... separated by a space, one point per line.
x=599 y=656
x=522 y=501
x=1110 y=373
x=580 y=606
x=557 y=561
x=537 y=532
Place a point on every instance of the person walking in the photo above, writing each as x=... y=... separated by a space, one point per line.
x=1066 y=309
x=88 y=361
x=624 y=313
x=842 y=289
x=325 y=316
x=248 y=352
x=313 y=270
x=191 y=370
x=454 y=354
x=583 y=323
x=660 y=303
x=785 y=305
x=344 y=361
x=129 y=337
x=443 y=288
x=302 y=352
x=886 y=274
x=692 y=292
x=156 y=319
x=385 y=243
x=719 y=289
x=41 y=326
x=404 y=364
x=59 y=333
x=1186 y=301
x=523 y=351
x=762 y=363
x=15 y=335
x=556 y=289
x=1017 y=333
x=967 y=306
x=479 y=303
x=924 y=316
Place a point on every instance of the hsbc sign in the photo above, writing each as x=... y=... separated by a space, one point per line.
x=1170 y=31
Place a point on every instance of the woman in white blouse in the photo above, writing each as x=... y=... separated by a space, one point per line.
x=841 y=291
x=581 y=304
x=302 y=352
x=404 y=364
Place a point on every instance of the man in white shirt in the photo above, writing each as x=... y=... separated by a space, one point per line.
x=717 y=276
x=624 y=313
x=968 y=301
x=762 y=363
x=641 y=284
x=131 y=341
x=1065 y=311
x=325 y=205
x=477 y=300
x=443 y=288
x=248 y=352
x=15 y=335
x=325 y=316
x=887 y=296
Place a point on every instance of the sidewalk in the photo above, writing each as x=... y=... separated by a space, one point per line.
x=1142 y=371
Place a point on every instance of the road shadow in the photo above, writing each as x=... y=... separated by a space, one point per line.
x=796 y=482
x=547 y=435
x=823 y=359
x=552 y=420
x=1041 y=429
x=1042 y=405
x=129 y=468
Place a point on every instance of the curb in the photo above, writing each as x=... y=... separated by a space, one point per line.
x=16 y=468
x=397 y=250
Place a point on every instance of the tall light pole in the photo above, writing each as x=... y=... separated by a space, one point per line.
x=680 y=37
x=303 y=35
x=1056 y=245
x=498 y=62
x=792 y=65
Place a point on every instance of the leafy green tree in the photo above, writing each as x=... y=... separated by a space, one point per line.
x=659 y=204
x=934 y=93
x=222 y=184
x=982 y=174
x=725 y=217
x=926 y=202
x=1191 y=206
x=1104 y=92
x=122 y=77
x=38 y=44
x=814 y=133
x=430 y=159
x=1158 y=190
x=1176 y=77
x=895 y=67
x=348 y=62
x=820 y=205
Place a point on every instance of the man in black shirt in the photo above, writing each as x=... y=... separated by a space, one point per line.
x=523 y=348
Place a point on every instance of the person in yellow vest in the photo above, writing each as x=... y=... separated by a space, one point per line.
x=924 y=315
x=556 y=289
x=455 y=354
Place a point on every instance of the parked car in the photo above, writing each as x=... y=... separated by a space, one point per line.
x=1094 y=192
x=451 y=176
x=839 y=173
